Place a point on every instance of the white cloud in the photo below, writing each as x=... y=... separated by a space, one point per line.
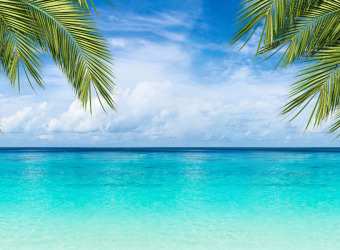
x=173 y=110
x=150 y=23
x=144 y=60
x=170 y=25
x=164 y=19
x=168 y=94
x=46 y=137
x=238 y=102
x=18 y=120
x=117 y=42
x=26 y=119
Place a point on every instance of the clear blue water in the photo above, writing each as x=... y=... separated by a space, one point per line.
x=170 y=199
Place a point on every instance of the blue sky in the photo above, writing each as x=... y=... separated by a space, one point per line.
x=177 y=85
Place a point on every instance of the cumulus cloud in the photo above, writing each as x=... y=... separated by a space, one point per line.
x=238 y=103
x=151 y=111
x=46 y=137
x=15 y=121
x=168 y=94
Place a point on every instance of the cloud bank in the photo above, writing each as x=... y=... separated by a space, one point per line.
x=169 y=93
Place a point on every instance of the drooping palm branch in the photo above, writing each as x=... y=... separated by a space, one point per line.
x=306 y=31
x=63 y=29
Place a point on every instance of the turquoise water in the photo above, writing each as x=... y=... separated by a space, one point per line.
x=169 y=199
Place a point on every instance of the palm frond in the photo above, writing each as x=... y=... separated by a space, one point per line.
x=307 y=31
x=86 y=4
x=69 y=34
x=314 y=29
x=273 y=16
x=65 y=30
x=319 y=80
x=335 y=127
x=18 y=49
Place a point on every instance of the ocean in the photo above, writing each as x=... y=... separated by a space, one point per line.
x=170 y=198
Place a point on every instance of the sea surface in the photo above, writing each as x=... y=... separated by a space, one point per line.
x=169 y=198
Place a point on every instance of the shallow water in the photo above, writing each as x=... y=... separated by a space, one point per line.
x=169 y=199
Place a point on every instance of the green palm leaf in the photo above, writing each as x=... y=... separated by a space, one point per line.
x=63 y=29
x=75 y=45
x=309 y=32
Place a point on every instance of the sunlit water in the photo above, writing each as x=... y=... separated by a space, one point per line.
x=169 y=199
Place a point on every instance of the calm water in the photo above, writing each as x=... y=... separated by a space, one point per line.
x=169 y=199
